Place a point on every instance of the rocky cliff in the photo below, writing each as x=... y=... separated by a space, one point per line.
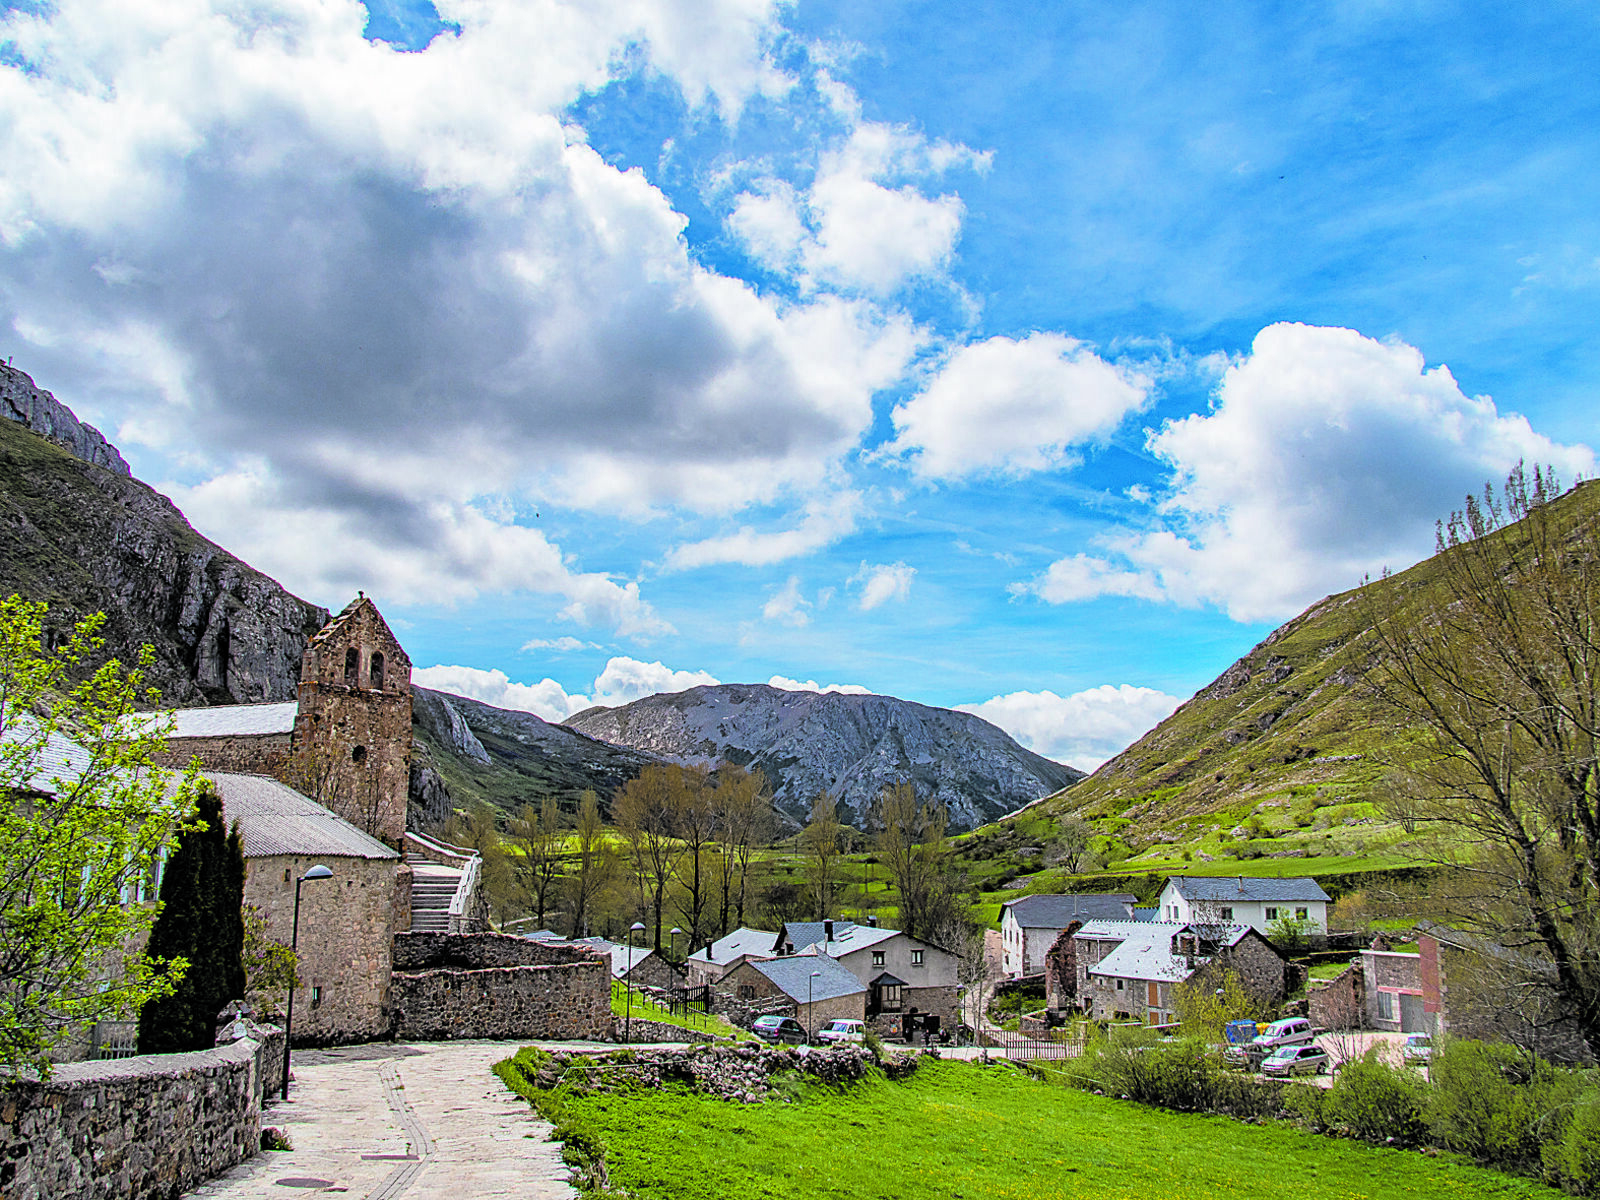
x=847 y=745
x=78 y=532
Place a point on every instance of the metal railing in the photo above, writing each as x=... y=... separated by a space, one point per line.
x=114 y=1039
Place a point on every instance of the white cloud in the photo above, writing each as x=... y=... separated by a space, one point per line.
x=811 y=685
x=826 y=521
x=1083 y=729
x=883 y=583
x=1011 y=406
x=1326 y=456
x=623 y=680
x=398 y=289
x=787 y=606
x=561 y=645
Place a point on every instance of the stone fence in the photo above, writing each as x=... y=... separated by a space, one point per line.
x=144 y=1128
x=639 y=1030
x=491 y=985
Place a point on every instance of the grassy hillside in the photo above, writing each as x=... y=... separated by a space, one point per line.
x=1277 y=767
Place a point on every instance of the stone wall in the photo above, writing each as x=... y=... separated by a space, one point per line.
x=639 y=1030
x=1341 y=1003
x=943 y=1002
x=562 y=1001
x=140 y=1128
x=1257 y=965
x=1061 y=971
x=260 y=754
x=475 y=951
x=346 y=932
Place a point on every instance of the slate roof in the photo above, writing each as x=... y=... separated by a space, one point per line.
x=741 y=941
x=623 y=958
x=1057 y=912
x=1223 y=888
x=58 y=758
x=1145 y=951
x=793 y=975
x=225 y=720
x=848 y=937
x=275 y=819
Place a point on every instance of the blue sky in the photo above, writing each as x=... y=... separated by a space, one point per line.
x=1032 y=358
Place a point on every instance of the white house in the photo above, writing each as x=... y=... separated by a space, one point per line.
x=1030 y=925
x=1244 y=900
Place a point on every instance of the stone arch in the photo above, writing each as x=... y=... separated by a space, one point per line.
x=352 y=667
x=376 y=670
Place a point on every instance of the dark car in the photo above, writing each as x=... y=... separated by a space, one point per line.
x=779 y=1029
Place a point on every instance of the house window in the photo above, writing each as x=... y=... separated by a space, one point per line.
x=1119 y=985
x=358 y=755
x=377 y=672
x=746 y=992
x=1272 y=913
x=877 y=958
x=1385 y=1006
x=916 y=958
x=889 y=996
x=1302 y=914
x=1227 y=912
x=316 y=997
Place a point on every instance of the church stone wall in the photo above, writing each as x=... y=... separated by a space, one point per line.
x=256 y=754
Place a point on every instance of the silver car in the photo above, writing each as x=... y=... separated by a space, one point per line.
x=1296 y=1060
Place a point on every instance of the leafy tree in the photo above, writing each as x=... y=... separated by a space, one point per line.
x=538 y=836
x=592 y=866
x=819 y=843
x=1290 y=934
x=747 y=825
x=645 y=810
x=1496 y=664
x=201 y=921
x=270 y=967
x=1073 y=838
x=84 y=814
x=1207 y=1001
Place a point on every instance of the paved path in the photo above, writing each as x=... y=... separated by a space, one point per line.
x=402 y=1122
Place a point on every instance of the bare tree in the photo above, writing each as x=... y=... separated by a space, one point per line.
x=1492 y=654
x=696 y=821
x=645 y=810
x=747 y=827
x=1073 y=838
x=913 y=847
x=820 y=844
x=538 y=837
x=592 y=863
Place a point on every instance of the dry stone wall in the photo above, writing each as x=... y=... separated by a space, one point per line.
x=145 y=1128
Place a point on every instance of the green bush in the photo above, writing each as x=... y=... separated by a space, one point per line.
x=1378 y=1103
x=1184 y=1075
x=1574 y=1161
x=1308 y=1104
x=1495 y=1103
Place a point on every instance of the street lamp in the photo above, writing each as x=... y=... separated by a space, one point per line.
x=627 y=988
x=809 y=1022
x=676 y=933
x=317 y=872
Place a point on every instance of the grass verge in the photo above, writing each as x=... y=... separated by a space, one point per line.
x=963 y=1131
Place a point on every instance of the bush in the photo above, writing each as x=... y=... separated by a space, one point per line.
x=1574 y=1161
x=1378 y=1103
x=1493 y=1102
x=1184 y=1075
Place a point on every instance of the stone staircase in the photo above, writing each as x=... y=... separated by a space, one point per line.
x=433 y=887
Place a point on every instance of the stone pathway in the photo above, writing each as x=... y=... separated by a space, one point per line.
x=393 y=1121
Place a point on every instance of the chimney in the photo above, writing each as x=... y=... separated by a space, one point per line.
x=1241 y=885
x=827 y=932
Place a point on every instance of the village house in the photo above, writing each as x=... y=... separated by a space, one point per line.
x=812 y=987
x=712 y=962
x=1029 y=926
x=908 y=980
x=1245 y=900
x=1128 y=970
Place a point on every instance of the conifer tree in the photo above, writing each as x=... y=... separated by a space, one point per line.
x=202 y=920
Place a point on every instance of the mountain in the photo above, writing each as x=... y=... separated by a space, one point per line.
x=850 y=746
x=1283 y=755
x=80 y=533
x=468 y=751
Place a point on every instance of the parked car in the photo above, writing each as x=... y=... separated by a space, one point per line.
x=779 y=1029
x=1291 y=1031
x=1418 y=1048
x=842 y=1029
x=1296 y=1060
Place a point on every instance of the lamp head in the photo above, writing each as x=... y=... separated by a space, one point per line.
x=636 y=927
x=317 y=872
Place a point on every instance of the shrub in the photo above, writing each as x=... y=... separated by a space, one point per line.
x=1494 y=1103
x=1378 y=1103
x=1574 y=1161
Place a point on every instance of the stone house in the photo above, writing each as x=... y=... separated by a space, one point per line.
x=716 y=959
x=1243 y=900
x=904 y=976
x=639 y=966
x=1128 y=970
x=1061 y=972
x=1029 y=926
x=813 y=987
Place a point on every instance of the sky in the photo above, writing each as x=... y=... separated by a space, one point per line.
x=1036 y=359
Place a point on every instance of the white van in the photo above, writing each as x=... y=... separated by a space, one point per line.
x=842 y=1029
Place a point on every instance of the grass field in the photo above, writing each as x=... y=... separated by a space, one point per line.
x=637 y=1007
x=964 y=1132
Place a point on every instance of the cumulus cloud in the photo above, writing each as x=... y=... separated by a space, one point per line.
x=398 y=285
x=1083 y=729
x=826 y=520
x=882 y=583
x=622 y=681
x=1011 y=406
x=811 y=685
x=787 y=606
x=1326 y=456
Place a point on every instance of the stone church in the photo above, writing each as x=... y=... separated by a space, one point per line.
x=324 y=780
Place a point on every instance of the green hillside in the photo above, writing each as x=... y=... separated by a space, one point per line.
x=1277 y=767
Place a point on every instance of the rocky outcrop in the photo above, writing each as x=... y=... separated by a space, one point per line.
x=41 y=412
x=86 y=537
x=849 y=746
x=461 y=738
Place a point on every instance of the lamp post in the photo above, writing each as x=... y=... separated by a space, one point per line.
x=317 y=872
x=809 y=1021
x=627 y=988
x=676 y=933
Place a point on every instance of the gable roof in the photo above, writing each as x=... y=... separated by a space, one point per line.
x=623 y=958
x=1059 y=911
x=58 y=757
x=233 y=720
x=1145 y=949
x=273 y=818
x=793 y=977
x=741 y=941
x=1224 y=888
x=848 y=937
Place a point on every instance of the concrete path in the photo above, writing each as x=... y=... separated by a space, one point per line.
x=402 y=1122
